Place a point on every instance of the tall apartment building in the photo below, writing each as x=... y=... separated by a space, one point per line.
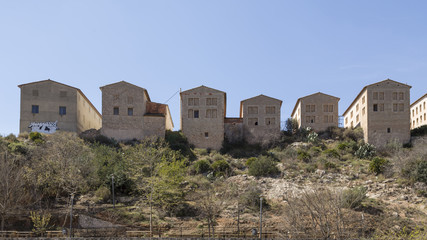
x=48 y=105
x=261 y=118
x=382 y=111
x=128 y=113
x=419 y=112
x=317 y=111
x=203 y=111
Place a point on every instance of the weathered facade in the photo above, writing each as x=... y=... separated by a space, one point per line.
x=318 y=111
x=419 y=112
x=128 y=113
x=261 y=119
x=48 y=105
x=382 y=110
x=203 y=111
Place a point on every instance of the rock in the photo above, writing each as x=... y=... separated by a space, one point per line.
x=395 y=214
x=404 y=197
x=320 y=172
x=369 y=182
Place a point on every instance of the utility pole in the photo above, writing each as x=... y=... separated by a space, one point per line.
x=112 y=190
x=260 y=218
x=71 y=215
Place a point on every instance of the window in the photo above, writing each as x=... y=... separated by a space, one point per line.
x=211 y=101
x=270 y=121
x=363 y=100
x=211 y=113
x=395 y=107
x=325 y=108
x=331 y=119
x=190 y=113
x=130 y=111
x=270 y=110
x=363 y=111
x=357 y=118
x=196 y=113
x=375 y=107
x=401 y=96
x=313 y=108
x=375 y=97
x=325 y=119
x=307 y=108
x=381 y=95
x=328 y=108
x=401 y=107
x=424 y=105
x=424 y=116
x=388 y=130
x=413 y=112
x=310 y=119
x=63 y=94
x=346 y=120
x=62 y=111
x=357 y=107
x=381 y=107
x=35 y=109
x=394 y=95
x=416 y=110
x=206 y=134
x=253 y=110
x=130 y=100
x=116 y=111
x=421 y=108
x=193 y=102
x=328 y=119
x=252 y=121
x=35 y=93
x=351 y=114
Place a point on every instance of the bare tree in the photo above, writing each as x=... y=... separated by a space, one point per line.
x=12 y=185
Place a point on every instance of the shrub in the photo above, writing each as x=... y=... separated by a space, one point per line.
x=250 y=160
x=315 y=150
x=18 y=147
x=353 y=197
x=202 y=166
x=221 y=167
x=103 y=194
x=34 y=136
x=332 y=153
x=329 y=165
x=377 y=165
x=366 y=151
x=420 y=131
x=250 y=198
x=313 y=137
x=178 y=142
x=421 y=173
x=263 y=167
x=355 y=134
x=303 y=155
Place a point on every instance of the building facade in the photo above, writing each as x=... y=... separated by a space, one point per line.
x=419 y=112
x=47 y=106
x=261 y=119
x=318 y=111
x=128 y=113
x=203 y=111
x=382 y=111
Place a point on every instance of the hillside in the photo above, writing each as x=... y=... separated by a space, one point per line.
x=326 y=185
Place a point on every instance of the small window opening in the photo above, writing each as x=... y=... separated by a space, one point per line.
x=388 y=130
x=206 y=134
x=116 y=111
x=196 y=113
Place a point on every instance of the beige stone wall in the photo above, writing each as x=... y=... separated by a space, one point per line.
x=419 y=112
x=154 y=126
x=387 y=115
x=261 y=119
x=233 y=128
x=49 y=96
x=123 y=96
x=87 y=116
x=317 y=111
x=202 y=117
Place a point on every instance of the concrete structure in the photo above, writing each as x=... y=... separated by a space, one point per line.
x=382 y=111
x=128 y=113
x=261 y=119
x=47 y=104
x=203 y=111
x=318 y=111
x=419 y=112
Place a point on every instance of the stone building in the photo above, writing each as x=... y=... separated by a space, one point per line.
x=317 y=111
x=203 y=111
x=48 y=105
x=261 y=119
x=419 y=112
x=128 y=113
x=382 y=111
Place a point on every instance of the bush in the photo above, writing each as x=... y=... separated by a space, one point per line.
x=178 y=142
x=250 y=198
x=377 y=165
x=18 y=147
x=303 y=155
x=355 y=134
x=353 y=197
x=366 y=151
x=313 y=137
x=263 y=167
x=332 y=153
x=419 y=131
x=202 y=166
x=103 y=194
x=36 y=137
x=250 y=160
x=421 y=173
x=221 y=167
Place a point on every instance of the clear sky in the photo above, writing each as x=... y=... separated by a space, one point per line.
x=283 y=49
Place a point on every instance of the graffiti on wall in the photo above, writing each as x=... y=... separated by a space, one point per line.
x=44 y=127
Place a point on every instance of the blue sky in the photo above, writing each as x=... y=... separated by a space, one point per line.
x=283 y=49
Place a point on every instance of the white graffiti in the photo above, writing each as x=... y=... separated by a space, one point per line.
x=43 y=127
